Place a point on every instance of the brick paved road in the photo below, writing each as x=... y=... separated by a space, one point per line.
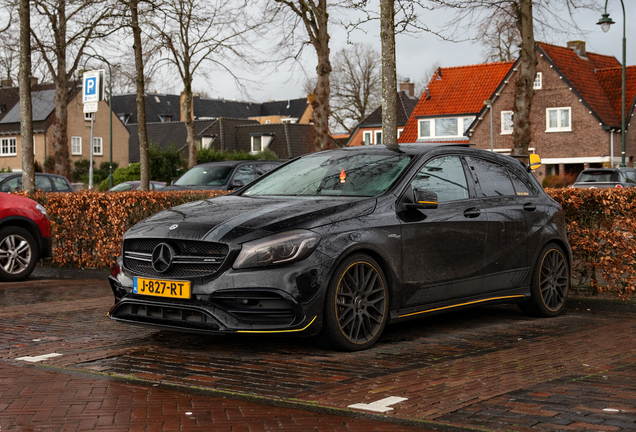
x=488 y=368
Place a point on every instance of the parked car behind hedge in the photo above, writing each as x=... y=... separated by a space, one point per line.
x=12 y=182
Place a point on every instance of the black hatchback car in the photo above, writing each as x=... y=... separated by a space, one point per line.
x=593 y=178
x=340 y=243
x=12 y=182
x=226 y=175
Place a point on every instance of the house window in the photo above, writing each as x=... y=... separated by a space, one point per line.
x=558 y=119
x=256 y=144
x=400 y=132
x=268 y=121
x=8 y=147
x=378 y=137
x=76 y=145
x=165 y=118
x=506 y=122
x=445 y=127
x=88 y=116
x=261 y=142
x=537 y=81
x=97 y=146
x=366 y=138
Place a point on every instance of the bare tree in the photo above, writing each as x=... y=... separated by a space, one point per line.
x=525 y=14
x=61 y=34
x=26 y=109
x=355 y=85
x=500 y=37
x=199 y=33
x=389 y=73
x=421 y=84
x=292 y=17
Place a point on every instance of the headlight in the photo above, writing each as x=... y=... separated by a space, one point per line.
x=280 y=248
x=41 y=208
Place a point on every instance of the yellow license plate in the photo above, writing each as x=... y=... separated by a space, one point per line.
x=161 y=288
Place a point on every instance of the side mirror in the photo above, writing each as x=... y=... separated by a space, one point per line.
x=535 y=161
x=423 y=199
x=236 y=184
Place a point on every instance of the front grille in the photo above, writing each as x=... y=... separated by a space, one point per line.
x=257 y=307
x=173 y=316
x=192 y=258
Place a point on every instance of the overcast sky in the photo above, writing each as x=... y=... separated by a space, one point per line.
x=415 y=55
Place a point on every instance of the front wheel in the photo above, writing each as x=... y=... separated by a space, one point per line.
x=18 y=254
x=356 y=306
x=550 y=283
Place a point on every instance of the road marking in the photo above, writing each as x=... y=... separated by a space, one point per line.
x=38 y=358
x=379 y=406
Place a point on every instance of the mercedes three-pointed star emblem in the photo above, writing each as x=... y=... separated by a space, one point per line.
x=162 y=256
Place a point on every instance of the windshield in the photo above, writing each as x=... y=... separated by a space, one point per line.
x=121 y=187
x=205 y=176
x=597 y=176
x=336 y=173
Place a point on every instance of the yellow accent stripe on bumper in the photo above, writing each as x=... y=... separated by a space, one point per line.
x=458 y=305
x=277 y=331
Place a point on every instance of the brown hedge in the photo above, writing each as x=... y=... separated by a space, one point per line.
x=88 y=228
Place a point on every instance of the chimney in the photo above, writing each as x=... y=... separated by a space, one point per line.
x=34 y=81
x=408 y=87
x=578 y=47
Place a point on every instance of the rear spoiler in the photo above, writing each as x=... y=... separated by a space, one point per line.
x=534 y=161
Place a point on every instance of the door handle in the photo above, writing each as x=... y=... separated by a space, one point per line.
x=472 y=212
x=529 y=207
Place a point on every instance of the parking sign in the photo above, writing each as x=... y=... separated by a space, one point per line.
x=92 y=89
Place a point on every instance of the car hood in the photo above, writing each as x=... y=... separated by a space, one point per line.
x=236 y=219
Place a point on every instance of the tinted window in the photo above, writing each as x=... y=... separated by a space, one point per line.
x=157 y=186
x=61 y=184
x=521 y=188
x=43 y=183
x=597 y=176
x=493 y=178
x=631 y=176
x=445 y=176
x=12 y=185
x=244 y=174
x=263 y=168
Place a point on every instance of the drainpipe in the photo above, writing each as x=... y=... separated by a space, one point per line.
x=612 y=148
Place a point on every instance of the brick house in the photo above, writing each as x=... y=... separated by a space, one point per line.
x=369 y=130
x=78 y=129
x=575 y=111
x=453 y=99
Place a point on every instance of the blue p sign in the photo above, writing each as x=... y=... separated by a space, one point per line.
x=91 y=86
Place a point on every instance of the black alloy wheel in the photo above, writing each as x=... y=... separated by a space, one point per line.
x=356 y=308
x=550 y=283
x=18 y=254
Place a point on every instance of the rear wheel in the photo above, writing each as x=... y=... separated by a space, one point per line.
x=18 y=254
x=550 y=283
x=356 y=307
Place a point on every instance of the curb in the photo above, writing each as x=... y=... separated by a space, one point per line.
x=605 y=305
x=41 y=272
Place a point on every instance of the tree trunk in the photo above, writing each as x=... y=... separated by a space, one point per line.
x=26 y=108
x=141 y=106
x=189 y=123
x=521 y=126
x=320 y=104
x=60 y=131
x=389 y=78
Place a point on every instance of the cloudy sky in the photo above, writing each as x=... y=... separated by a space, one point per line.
x=416 y=54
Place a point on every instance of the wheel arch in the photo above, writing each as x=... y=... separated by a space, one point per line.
x=27 y=224
x=563 y=245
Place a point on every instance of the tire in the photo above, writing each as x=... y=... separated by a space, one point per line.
x=356 y=305
x=550 y=284
x=18 y=254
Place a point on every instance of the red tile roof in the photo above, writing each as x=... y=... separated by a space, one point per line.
x=581 y=73
x=459 y=90
x=611 y=80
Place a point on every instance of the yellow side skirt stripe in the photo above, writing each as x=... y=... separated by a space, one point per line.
x=462 y=304
x=277 y=331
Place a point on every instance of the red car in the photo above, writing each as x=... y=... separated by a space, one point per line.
x=25 y=236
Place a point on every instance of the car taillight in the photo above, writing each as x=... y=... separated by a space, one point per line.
x=571 y=186
x=619 y=186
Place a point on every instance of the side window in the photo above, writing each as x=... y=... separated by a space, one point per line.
x=445 y=176
x=245 y=174
x=631 y=176
x=60 y=184
x=263 y=168
x=12 y=185
x=492 y=178
x=43 y=183
x=521 y=188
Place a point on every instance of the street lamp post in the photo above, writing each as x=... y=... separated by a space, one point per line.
x=488 y=103
x=605 y=22
x=110 y=105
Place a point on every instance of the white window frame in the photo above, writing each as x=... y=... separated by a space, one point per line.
x=559 y=127
x=366 y=134
x=377 y=134
x=538 y=81
x=88 y=116
x=265 y=140
x=7 y=141
x=74 y=152
x=400 y=132
x=98 y=144
x=462 y=124
x=503 y=123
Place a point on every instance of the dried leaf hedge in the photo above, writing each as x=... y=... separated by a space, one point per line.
x=88 y=227
x=601 y=223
